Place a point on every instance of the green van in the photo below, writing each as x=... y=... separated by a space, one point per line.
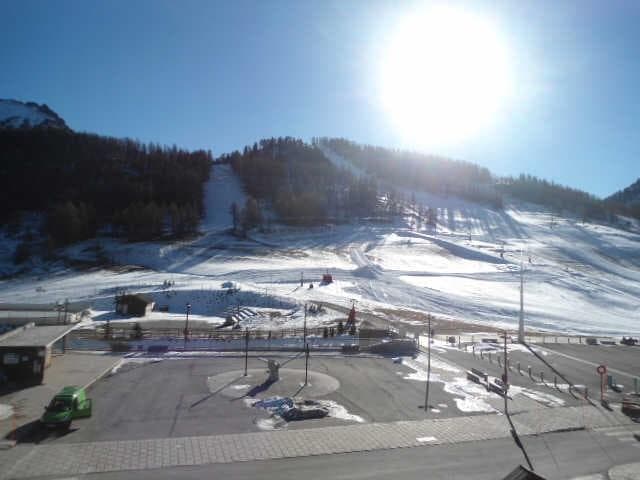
x=70 y=403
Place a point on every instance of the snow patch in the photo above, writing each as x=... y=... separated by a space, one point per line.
x=6 y=411
x=338 y=411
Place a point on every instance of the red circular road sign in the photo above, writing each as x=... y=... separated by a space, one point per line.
x=602 y=369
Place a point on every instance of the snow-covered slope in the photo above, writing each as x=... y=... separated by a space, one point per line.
x=16 y=114
x=579 y=277
x=223 y=189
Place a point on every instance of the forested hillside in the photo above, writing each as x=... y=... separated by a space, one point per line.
x=443 y=176
x=628 y=199
x=84 y=181
x=438 y=175
x=301 y=185
x=558 y=197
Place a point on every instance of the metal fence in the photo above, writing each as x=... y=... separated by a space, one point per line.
x=173 y=339
x=512 y=337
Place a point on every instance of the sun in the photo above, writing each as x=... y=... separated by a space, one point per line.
x=444 y=76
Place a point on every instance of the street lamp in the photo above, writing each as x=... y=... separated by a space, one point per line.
x=521 y=319
x=304 y=341
x=186 y=324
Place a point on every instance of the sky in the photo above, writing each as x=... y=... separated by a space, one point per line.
x=221 y=75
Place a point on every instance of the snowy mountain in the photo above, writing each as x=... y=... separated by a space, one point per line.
x=460 y=264
x=16 y=114
x=629 y=196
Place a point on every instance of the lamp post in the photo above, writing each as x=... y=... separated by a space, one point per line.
x=186 y=324
x=521 y=319
x=304 y=333
x=426 y=394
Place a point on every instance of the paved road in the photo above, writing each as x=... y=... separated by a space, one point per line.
x=557 y=456
x=618 y=357
x=575 y=362
x=490 y=365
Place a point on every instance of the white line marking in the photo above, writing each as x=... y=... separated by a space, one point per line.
x=619 y=372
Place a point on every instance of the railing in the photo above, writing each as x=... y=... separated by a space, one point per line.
x=212 y=340
x=512 y=337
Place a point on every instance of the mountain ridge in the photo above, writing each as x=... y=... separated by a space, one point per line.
x=18 y=114
x=628 y=196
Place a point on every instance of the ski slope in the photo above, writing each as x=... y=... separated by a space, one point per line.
x=222 y=189
x=579 y=277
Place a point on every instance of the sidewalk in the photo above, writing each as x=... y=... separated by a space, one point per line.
x=67 y=369
x=63 y=459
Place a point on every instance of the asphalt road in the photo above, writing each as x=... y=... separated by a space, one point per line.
x=554 y=456
x=575 y=362
x=618 y=357
x=468 y=361
x=174 y=398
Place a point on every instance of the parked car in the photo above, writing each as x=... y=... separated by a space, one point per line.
x=631 y=404
x=70 y=403
x=592 y=341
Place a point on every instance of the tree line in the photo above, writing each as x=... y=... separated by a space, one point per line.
x=559 y=198
x=418 y=171
x=443 y=176
x=299 y=183
x=86 y=182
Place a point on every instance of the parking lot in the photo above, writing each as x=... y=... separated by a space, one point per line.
x=204 y=396
x=181 y=397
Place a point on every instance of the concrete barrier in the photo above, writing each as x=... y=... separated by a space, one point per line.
x=473 y=377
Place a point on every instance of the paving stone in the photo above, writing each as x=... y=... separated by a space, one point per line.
x=59 y=459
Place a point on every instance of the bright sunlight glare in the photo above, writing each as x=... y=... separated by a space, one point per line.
x=444 y=76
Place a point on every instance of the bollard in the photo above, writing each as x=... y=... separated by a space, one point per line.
x=529 y=370
x=541 y=377
x=481 y=354
x=499 y=361
x=568 y=339
x=519 y=370
x=459 y=344
x=586 y=393
x=555 y=381
x=580 y=339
